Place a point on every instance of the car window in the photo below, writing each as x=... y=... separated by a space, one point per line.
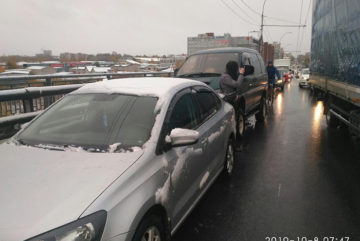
x=209 y=103
x=262 y=66
x=254 y=61
x=183 y=114
x=207 y=63
x=94 y=121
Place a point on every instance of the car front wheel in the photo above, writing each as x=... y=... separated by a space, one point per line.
x=260 y=116
x=151 y=228
x=229 y=159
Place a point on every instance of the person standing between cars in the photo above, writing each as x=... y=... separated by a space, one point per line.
x=272 y=71
x=230 y=82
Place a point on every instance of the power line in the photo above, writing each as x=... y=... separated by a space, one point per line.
x=242 y=10
x=306 y=19
x=279 y=19
x=297 y=42
x=282 y=25
x=268 y=33
x=250 y=8
x=237 y=14
x=254 y=11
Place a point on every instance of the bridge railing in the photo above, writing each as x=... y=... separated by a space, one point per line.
x=20 y=105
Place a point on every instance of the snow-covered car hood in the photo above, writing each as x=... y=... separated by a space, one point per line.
x=43 y=189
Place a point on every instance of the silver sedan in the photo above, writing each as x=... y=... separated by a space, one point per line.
x=116 y=160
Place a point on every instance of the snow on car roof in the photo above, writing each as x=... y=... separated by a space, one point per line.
x=149 y=86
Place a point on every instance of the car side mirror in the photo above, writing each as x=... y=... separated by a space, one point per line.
x=249 y=70
x=176 y=71
x=182 y=137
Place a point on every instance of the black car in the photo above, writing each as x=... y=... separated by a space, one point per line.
x=208 y=65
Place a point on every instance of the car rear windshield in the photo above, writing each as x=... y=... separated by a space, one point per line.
x=305 y=71
x=106 y=122
x=207 y=63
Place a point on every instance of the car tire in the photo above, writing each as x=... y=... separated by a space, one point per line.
x=229 y=158
x=150 y=228
x=261 y=115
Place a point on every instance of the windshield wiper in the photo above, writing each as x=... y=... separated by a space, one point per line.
x=200 y=74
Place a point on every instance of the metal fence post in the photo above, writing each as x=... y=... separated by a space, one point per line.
x=48 y=100
x=28 y=105
x=48 y=82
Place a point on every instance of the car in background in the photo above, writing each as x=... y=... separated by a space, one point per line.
x=122 y=159
x=304 y=78
x=281 y=82
x=207 y=66
x=287 y=77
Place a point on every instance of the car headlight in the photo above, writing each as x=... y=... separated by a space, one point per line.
x=89 y=228
x=279 y=81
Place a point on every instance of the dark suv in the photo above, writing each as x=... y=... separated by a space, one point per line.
x=208 y=65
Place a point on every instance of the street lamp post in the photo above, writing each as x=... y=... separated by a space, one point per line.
x=284 y=36
x=254 y=31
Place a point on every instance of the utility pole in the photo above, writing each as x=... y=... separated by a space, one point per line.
x=261 y=42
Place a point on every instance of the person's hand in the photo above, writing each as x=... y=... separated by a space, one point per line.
x=236 y=98
x=241 y=70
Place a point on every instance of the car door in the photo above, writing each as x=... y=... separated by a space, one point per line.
x=212 y=126
x=250 y=82
x=185 y=163
x=261 y=80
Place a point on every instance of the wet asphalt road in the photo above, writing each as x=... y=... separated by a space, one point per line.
x=294 y=178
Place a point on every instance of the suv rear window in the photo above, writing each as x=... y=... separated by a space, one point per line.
x=207 y=63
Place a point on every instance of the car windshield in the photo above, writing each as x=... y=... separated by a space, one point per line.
x=305 y=71
x=95 y=122
x=213 y=63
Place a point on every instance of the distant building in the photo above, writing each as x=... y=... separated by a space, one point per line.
x=45 y=53
x=268 y=52
x=148 y=60
x=41 y=70
x=12 y=72
x=209 y=41
x=278 y=51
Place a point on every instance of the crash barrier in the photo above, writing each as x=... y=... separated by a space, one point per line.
x=19 y=106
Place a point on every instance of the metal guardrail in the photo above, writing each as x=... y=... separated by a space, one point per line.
x=48 y=80
x=18 y=106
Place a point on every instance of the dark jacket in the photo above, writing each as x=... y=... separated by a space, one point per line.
x=272 y=71
x=228 y=85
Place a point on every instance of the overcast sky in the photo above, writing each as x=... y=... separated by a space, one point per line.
x=141 y=26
